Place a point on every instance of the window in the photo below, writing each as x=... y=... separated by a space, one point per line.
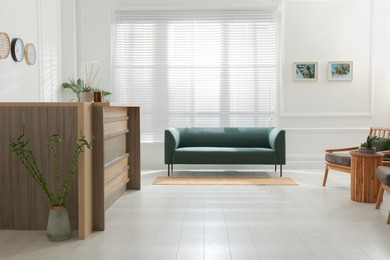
x=197 y=68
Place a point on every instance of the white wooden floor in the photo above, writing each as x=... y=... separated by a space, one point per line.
x=226 y=222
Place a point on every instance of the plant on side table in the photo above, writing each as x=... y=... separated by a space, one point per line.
x=368 y=146
x=58 y=226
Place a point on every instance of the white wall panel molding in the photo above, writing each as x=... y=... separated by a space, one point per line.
x=326 y=129
x=305 y=161
x=190 y=4
x=94 y=39
x=68 y=34
x=39 y=48
x=19 y=81
x=49 y=50
x=305 y=157
x=321 y=40
x=305 y=146
x=367 y=114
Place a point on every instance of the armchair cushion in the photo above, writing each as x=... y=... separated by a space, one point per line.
x=383 y=173
x=338 y=158
x=381 y=144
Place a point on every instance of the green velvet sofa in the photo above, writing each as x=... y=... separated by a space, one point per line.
x=230 y=145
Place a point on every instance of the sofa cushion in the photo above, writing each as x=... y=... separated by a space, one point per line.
x=224 y=137
x=338 y=158
x=381 y=144
x=224 y=155
x=383 y=173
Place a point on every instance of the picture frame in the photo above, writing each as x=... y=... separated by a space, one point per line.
x=305 y=71
x=340 y=70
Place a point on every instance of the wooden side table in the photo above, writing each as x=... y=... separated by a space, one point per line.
x=364 y=183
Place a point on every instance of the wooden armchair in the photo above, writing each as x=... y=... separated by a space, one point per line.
x=334 y=160
x=383 y=174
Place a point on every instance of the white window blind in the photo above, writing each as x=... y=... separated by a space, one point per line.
x=218 y=68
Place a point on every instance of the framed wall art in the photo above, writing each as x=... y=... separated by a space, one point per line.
x=305 y=71
x=340 y=70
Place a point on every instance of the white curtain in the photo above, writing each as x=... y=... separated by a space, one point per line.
x=208 y=68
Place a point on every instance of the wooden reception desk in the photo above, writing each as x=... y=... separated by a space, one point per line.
x=103 y=173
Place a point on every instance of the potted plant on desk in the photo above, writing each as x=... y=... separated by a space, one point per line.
x=58 y=226
x=82 y=90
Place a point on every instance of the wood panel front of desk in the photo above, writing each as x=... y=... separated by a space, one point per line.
x=23 y=206
x=103 y=174
x=116 y=156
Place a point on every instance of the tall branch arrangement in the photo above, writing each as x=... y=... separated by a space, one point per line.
x=25 y=155
x=78 y=86
x=85 y=84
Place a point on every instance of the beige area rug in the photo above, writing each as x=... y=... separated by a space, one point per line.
x=236 y=180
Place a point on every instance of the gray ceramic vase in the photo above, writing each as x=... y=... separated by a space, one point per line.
x=366 y=150
x=58 y=225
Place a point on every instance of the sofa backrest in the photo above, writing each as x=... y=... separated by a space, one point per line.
x=225 y=137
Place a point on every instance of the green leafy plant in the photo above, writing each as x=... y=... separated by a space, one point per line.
x=86 y=85
x=25 y=155
x=369 y=142
x=78 y=86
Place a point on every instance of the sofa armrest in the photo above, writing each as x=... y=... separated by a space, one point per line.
x=277 y=141
x=171 y=142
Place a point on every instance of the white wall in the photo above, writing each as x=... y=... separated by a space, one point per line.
x=94 y=20
x=50 y=65
x=311 y=126
x=308 y=109
x=327 y=31
x=68 y=46
x=19 y=82
x=316 y=115
x=37 y=22
x=94 y=38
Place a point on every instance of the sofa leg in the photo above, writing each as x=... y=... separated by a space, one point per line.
x=281 y=167
x=169 y=169
x=276 y=167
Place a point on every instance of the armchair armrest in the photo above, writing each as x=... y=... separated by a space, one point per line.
x=171 y=142
x=384 y=152
x=386 y=163
x=331 y=150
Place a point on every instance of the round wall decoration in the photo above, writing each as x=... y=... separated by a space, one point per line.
x=5 y=45
x=30 y=54
x=17 y=49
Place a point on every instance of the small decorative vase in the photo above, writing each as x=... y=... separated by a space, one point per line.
x=85 y=97
x=58 y=225
x=366 y=150
x=97 y=96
